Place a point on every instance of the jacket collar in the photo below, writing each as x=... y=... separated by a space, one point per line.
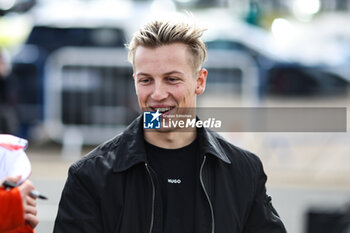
x=131 y=148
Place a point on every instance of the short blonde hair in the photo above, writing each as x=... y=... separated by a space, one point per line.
x=159 y=33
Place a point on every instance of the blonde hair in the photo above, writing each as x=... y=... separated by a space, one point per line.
x=158 y=33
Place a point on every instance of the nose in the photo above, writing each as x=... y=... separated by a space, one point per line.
x=159 y=92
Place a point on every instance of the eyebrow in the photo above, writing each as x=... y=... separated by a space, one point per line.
x=165 y=74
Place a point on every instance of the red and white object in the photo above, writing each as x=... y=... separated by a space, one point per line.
x=13 y=159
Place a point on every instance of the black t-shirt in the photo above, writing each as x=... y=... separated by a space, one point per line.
x=177 y=171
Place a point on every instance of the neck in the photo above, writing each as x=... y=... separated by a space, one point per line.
x=170 y=140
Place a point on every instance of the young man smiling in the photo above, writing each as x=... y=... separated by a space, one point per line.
x=167 y=180
x=167 y=80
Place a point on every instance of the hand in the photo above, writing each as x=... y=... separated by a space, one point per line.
x=29 y=203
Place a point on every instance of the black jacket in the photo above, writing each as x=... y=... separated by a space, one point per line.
x=113 y=190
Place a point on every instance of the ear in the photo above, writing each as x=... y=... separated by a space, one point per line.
x=201 y=81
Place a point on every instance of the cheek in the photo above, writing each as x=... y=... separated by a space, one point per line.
x=178 y=92
x=184 y=94
x=142 y=93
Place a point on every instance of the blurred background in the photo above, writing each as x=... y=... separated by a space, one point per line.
x=66 y=86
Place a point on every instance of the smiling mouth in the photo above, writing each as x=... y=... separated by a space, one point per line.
x=163 y=110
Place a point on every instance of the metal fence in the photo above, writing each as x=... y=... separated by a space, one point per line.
x=232 y=74
x=89 y=94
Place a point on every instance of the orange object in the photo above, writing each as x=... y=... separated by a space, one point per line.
x=11 y=212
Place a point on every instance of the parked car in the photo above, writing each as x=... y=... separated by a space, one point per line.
x=283 y=77
x=280 y=71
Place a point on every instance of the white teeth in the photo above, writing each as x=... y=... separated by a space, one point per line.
x=162 y=109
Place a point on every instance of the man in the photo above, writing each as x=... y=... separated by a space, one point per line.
x=18 y=208
x=167 y=180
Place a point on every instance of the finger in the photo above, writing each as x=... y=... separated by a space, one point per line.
x=31 y=197
x=26 y=187
x=32 y=220
x=30 y=210
x=14 y=179
x=31 y=201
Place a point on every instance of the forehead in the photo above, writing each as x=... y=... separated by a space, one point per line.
x=172 y=56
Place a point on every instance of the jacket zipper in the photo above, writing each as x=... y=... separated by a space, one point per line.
x=206 y=194
x=153 y=198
